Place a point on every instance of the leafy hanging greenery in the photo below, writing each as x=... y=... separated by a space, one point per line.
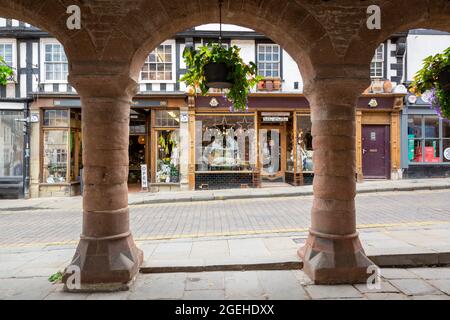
x=5 y=72
x=428 y=79
x=243 y=76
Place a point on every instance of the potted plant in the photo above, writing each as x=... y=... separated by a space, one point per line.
x=434 y=79
x=214 y=66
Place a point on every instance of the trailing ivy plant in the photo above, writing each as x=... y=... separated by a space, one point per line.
x=243 y=76
x=5 y=72
x=427 y=80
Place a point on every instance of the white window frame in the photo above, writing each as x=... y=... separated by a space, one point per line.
x=12 y=42
x=172 y=43
x=258 y=61
x=376 y=60
x=43 y=44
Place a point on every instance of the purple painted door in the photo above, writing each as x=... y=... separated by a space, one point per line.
x=375 y=149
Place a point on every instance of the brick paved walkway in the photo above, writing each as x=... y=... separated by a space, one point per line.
x=231 y=217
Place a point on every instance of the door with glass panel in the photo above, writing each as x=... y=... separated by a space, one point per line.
x=272 y=150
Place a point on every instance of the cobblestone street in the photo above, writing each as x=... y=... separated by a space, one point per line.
x=225 y=218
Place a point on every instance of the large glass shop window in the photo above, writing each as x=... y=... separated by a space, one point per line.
x=62 y=152
x=167 y=123
x=55 y=156
x=304 y=144
x=446 y=140
x=225 y=143
x=168 y=156
x=425 y=142
x=11 y=144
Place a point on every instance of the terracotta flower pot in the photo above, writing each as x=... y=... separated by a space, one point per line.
x=377 y=86
x=269 y=85
x=261 y=85
x=277 y=84
x=387 y=86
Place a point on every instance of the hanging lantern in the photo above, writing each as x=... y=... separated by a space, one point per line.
x=141 y=140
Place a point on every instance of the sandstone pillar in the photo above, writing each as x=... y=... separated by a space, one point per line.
x=106 y=255
x=333 y=252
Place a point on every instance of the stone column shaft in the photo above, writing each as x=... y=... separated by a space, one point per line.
x=333 y=252
x=106 y=255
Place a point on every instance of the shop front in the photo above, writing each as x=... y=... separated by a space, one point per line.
x=154 y=145
x=426 y=141
x=271 y=144
x=11 y=150
x=252 y=149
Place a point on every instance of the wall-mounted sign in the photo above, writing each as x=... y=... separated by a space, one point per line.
x=214 y=103
x=34 y=118
x=275 y=119
x=447 y=154
x=144 y=176
x=373 y=103
x=184 y=117
x=275 y=114
x=373 y=136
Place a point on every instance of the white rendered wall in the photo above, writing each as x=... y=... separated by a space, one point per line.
x=421 y=46
x=291 y=74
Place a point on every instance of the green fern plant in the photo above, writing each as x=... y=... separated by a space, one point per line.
x=243 y=76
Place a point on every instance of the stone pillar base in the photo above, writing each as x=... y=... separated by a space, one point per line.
x=105 y=264
x=334 y=259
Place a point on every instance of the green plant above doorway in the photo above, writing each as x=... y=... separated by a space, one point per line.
x=241 y=76
x=434 y=78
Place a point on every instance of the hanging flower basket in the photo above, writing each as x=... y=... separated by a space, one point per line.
x=444 y=79
x=434 y=78
x=214 y=66
x=218 y=75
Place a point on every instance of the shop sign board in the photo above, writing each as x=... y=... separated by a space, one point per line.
x=184 y=117
x=144 y=176
x=275 y=119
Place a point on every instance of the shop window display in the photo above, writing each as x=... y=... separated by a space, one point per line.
x=446 y=140
x=55 y=156
x=62 y=151
x=304 y=144
x=168 y=156
x=427 y=143
x=11 y=143
x=225 y=143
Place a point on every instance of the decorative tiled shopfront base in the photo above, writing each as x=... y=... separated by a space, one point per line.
x=289 y=177
x=308 y=179
x=424 y=171
x=214 y=181
x=11 y=188
x=59 y=190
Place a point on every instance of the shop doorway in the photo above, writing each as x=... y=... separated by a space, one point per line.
x=375 y=151
x=272 y=149
x=137 y=150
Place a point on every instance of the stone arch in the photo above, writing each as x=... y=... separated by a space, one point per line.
x=398 y=16
x=287 y=23
x=51 y=16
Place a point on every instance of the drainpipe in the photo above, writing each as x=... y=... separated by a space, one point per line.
x=26 y=173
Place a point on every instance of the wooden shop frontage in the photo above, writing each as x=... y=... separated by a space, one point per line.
x=271 y=143
x=181 y=142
